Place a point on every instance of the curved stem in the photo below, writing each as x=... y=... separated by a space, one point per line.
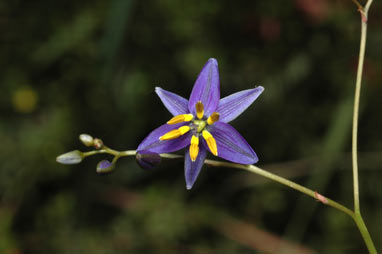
x=250 y=168
x=357 y=212
x=364 y=17
x=284 y=181
x=253 y=169
x=358 y=4
x=108 y=150
x=355 y=216
x=365 y=233
x=355 y=116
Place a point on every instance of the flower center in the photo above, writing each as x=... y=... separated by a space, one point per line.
x=197 y=127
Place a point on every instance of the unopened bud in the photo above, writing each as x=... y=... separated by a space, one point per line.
x=104 y=167
x=98 y=144
x=86 y=139
x=73 y=157
x=147 y=160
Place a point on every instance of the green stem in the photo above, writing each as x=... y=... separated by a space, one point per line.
x=364 y=17
x=90 y=153
x=250 y=168
x=284 y=181
x=358 y=4
x=355 y=216
x=253 y=169
x=357 y=212
x=365 y=233
x=356 y=107
x=108 y=150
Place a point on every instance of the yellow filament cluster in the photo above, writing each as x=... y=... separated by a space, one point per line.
x=199 y=109
x=180 y=119
x=211 y=142
x=194 y=148
x=175 y=133
x=214 y=117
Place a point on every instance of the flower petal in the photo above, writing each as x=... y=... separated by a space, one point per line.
x=232 y=106
x=206 y=88
x=231 y=145
x=192 y=168
x=176 y=104
x=152 y=143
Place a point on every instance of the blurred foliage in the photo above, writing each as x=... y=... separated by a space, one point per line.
x=71 y=67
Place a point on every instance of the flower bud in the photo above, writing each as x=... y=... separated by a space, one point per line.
x=73 y=157
x=104 y=167
x=86 y=139
x=147 y=160
x=98 y=144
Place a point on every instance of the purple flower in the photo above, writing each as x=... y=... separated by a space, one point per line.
x=201 y=124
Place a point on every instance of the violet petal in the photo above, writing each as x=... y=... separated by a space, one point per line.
x=147 y=159
x=231 y=145
x=153 y=144
x=232 y=106
x=206 y=88
x=174 y=103
x=192 y=168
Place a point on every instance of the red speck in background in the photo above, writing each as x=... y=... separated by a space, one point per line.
x=270 y=29
x=316 y=10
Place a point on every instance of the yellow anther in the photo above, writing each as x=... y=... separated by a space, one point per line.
x=214 y=117
x=211 y=142
x=175 y=133
x=194 y=148
x=199 y=109
x=184 y=129
x=181 y=119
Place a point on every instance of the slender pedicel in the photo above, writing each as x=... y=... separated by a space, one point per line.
x=175 y=133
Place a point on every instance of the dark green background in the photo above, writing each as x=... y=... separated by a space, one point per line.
x=71 y=67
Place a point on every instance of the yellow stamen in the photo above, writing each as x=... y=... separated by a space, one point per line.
x=180 y=119
x=199 y=109
x=175 y=133
x=211 y=142
x=194 y=148
x=214 y=117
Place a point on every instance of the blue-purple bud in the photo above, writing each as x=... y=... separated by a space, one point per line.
x=104 y=167
x=147 y=160
x=73 y=157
